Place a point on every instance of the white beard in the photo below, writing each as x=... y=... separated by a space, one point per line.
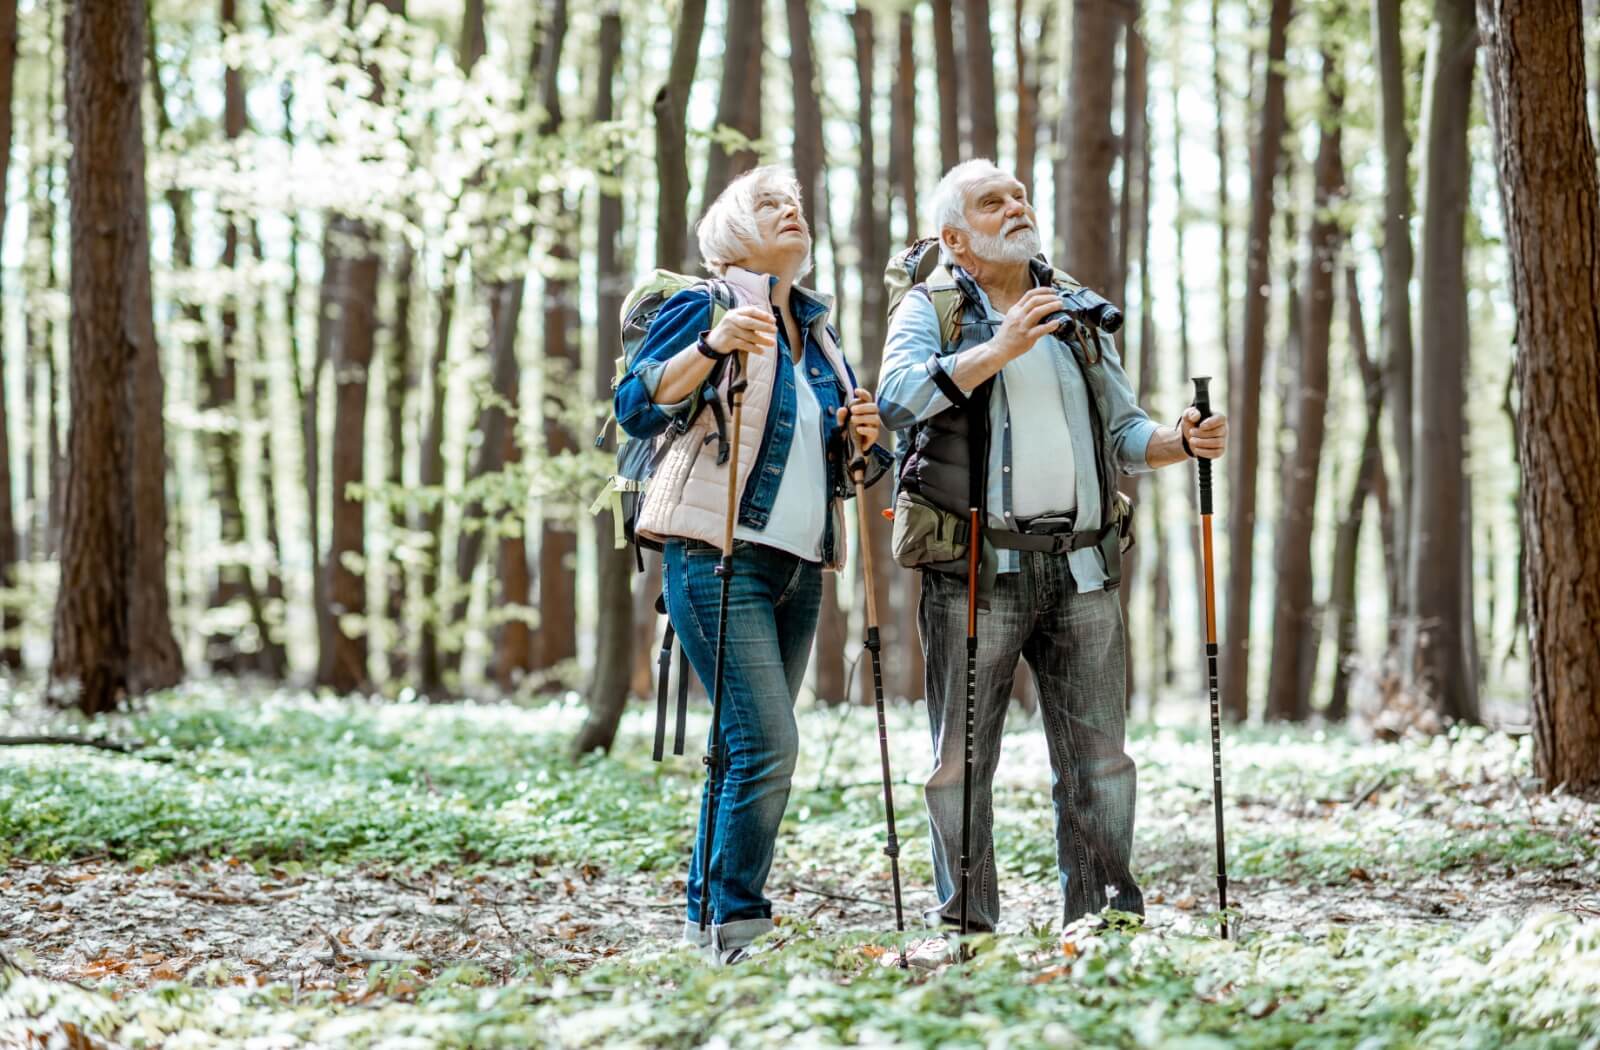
x=1002 y=248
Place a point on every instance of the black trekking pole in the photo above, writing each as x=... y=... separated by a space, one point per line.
x=1202 y=401
x=974 y=545
x=713 y=759
x=891 y=849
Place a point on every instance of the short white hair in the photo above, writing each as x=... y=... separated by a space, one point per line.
x=950 y=197
x=727 y=231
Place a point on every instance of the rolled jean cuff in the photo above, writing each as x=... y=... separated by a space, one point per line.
x=736 y=934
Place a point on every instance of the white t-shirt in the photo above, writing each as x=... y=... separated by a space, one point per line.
x=800 y=510
x=1042 y=467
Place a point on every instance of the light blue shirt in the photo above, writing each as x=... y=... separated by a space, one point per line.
x=908 y=395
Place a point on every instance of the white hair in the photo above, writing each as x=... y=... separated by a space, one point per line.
x=950 y=196
x=727 y=232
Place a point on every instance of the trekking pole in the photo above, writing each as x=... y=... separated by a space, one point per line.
x=1202 y=401
x=891 y=849
x=724 y=570
x=974 y=542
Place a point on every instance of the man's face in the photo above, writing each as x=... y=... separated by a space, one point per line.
x=1003 y=225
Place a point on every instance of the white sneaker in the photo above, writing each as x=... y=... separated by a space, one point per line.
x=932 y=953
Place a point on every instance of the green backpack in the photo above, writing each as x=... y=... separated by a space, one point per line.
x=637 y=460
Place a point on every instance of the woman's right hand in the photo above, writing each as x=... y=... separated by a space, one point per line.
x=748 y=329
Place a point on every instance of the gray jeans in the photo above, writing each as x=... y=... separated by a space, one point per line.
x=1074 y=644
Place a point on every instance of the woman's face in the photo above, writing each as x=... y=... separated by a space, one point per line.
x=783 y=235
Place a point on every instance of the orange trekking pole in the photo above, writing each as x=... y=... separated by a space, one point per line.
x=1202 y=401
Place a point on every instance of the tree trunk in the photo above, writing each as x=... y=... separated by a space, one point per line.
x=1027 y=98
x=1347 y=542
x=1546 y=162
x=1294 y=634
x=608 y=687
x=343 y=663
x=474 y=40
x=1083 y=200
x=1397 y=261
x=739 y=104
x=274 y=656
x=430 y=475
x=44 y=532
x=10 y=621
x=1179 y=227
x=672 y=253
x=903 y=127
x=1134 y=201
x=1245 y=378
x=1224 y=208
x=1437 y=649
x=985 y=134
x=672 y=170
x=397 y=388
x=947 y=73
x=112 y=633
x=808 y=150
x=558 y=543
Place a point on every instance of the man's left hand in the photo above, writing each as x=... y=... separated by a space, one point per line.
x=1207 y=440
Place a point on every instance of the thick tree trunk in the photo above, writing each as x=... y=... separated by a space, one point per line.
x=948 y=75
x=1436 y=664
x=985 y=133
x=1397 y=261
x=343 y=663
x=1548 y=186
x=608 y=687
x=1294 y=633
x=1083 y=201
x=10 y=644
x=112 y=633
x=1027 y=97
x=1347 y=542
x=1240 y=499
x=739 y=103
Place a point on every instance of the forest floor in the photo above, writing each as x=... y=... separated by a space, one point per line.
x=274 y=869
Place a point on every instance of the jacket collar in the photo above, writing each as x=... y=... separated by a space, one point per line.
x=808 y=303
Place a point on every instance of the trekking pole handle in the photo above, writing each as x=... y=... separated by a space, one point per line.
x=1202 y=401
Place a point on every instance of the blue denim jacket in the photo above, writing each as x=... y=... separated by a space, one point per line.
x=680 y=321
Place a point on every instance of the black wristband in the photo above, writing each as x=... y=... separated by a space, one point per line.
x=705 y=347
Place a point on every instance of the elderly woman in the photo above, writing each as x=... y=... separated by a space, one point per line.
x=792 y=473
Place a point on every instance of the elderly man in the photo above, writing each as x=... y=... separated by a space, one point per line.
x=1011 y=407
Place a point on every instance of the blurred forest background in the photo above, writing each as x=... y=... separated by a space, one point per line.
x=387 y=240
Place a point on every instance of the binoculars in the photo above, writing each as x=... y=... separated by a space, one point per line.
x=1085 y=307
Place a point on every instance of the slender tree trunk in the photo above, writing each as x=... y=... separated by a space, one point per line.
x=1134 y=201
x=948 y=74
x=10 y=621
x=1027 y=98
x=1397 y=261
x=1437 y=651
x=1246 y=374
x=1294 y=634
x=474 y=40
x=903 y=126
x=430 y=474
x=397 y=388
x=739 y=104
x=808 y=151
x=672 y=253
x=112 y=635
x=1179 y=227
x=558 y=544
x=1347 y=542
x=979 y=80
x=1548 y=187
x=44 y=531
x=274 y=655
x=1224 y=208
x=608 y=688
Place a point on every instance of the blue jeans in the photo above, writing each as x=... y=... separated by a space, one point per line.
x=1074 y=644
x=772 y=618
